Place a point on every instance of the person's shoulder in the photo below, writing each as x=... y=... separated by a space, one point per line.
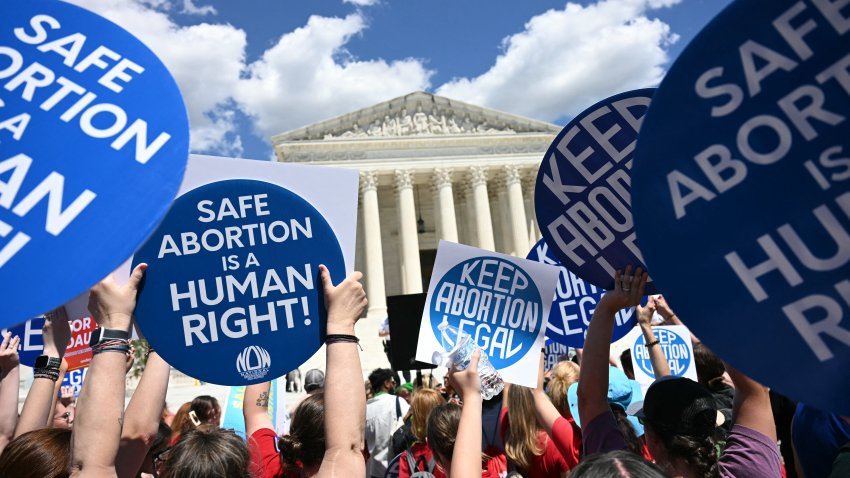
x=264 y=433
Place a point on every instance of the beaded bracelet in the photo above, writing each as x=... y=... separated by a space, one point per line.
x=114 y=345
x=46 y=372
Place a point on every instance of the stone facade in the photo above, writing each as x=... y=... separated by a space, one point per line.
x=431 y=168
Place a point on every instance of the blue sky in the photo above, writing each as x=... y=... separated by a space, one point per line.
x=249 y=69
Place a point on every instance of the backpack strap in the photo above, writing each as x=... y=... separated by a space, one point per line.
x=411 y=463
x=397 y=407
x=432 y=464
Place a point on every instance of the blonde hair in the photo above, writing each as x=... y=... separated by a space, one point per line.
x=564 y=374
x=521 y=443
x=424 y=400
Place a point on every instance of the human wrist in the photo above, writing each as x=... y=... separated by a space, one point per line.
x=340 y=329
x=116 y=320
x=51 y=350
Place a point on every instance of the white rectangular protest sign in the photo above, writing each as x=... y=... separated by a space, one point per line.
x=675 y=342
x=501 y=301
x=232 y=293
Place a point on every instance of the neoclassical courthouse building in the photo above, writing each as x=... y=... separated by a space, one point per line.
x=431 y=168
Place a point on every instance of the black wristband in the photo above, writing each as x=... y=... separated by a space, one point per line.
x=338 y=338
x=655 y=342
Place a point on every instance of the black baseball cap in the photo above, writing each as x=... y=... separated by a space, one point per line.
x=679 y=406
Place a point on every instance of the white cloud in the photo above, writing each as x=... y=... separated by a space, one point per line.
x=205 y=60
x=190 y=8
x=362 y=3
x=567 y=59
x=308 y=76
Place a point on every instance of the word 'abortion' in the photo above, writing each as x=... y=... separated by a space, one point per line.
x=37 y=83
x=257 y=296
x=235 y=237
x=488 y=297
x=594 y=224
x=804 y=113
x=675 y=350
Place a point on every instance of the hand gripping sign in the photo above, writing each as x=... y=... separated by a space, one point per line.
x=232 y=293
x=574 y=304
x=742 y=193
x=582 y=196
x=93 y=144
x=501 y=301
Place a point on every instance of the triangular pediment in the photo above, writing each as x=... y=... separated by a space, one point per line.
x=417 y=114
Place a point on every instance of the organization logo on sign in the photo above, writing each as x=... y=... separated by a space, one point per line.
x=253 y=363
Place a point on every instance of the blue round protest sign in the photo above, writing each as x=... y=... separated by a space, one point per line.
x=232 y=294
x=574 y=304
x=741 y=194
x=675 y=347
x=94 y=139
x=583 y=190
x=494 y=301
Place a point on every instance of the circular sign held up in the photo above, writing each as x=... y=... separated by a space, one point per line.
x=493 y=300
x=94 y=139
x=583 y=190
x=742 y=194
x=574 y=304
x=232 y=294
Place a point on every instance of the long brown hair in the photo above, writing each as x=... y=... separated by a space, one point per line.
x=44 y=453
x=424 y=400
x=521 y=442
x=443 y=423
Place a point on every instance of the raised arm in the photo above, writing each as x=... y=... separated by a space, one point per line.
x=546 y=412
x=593 y=376
x=751 y=407
x=142 y=417
x=466 y=455
x=100 y=413
x=660 y=367
x=36 y=412
x=10 y=376
x=345 y=400
x=255 y=407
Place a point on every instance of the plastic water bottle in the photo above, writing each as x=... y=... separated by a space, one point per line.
x=458 y=353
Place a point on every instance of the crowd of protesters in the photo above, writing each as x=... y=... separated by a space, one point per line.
x=585 y=417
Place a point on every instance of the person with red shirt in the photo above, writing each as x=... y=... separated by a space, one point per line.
x=327 y=429
x=527 y=445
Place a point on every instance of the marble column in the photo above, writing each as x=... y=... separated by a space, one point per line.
x=516 y=210
x=411 y=273
x=445 y=204
x=528 y=182
x=481 y=207
x=374 y=273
